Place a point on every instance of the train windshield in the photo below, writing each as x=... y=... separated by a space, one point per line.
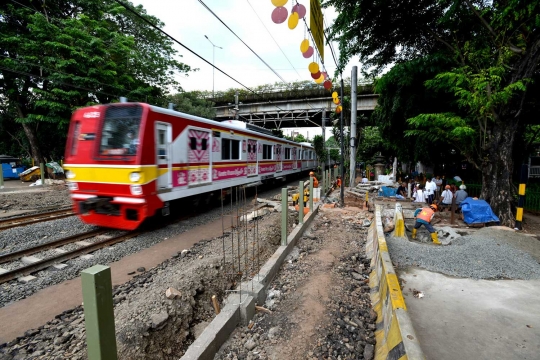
x=120 y=132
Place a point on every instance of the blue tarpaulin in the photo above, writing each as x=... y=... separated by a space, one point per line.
x=387 y=191
x=477 y=211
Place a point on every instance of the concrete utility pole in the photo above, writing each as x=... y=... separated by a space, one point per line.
x=236 y=108
x=342 y=165
x=354 y=99
x=323 y=124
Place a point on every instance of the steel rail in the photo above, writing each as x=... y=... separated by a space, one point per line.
x=35 y=218
x=50 y=245
x=40 y=265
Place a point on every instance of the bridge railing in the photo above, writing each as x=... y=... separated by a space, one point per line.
x=221 y=99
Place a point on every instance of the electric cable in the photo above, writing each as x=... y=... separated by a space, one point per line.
x=257 y=55
x=269 y=33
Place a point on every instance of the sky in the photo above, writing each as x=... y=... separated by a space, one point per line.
x=188 y=21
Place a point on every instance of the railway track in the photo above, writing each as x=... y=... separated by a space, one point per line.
x=62 y=256
x=34 y=218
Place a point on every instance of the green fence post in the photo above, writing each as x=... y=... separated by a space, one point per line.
x=284 y=213
x=301 y=202
x=323 y=183
x=42 y=170
x=1 y=177
x=98 y=313
x=310 y=194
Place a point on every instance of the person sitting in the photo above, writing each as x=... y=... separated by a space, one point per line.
x=446 y=198
x=401 y=191
x=461 y=195
x=423 y=217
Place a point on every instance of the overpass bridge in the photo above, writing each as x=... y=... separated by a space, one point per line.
x=288 y=110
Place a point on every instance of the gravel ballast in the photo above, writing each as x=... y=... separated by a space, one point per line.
x=486 y=254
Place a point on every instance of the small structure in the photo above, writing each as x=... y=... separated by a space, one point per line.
x=11 y=167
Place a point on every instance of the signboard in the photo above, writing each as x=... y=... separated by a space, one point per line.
x=316 y=25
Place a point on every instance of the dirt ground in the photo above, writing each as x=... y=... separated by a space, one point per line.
x=320 y=301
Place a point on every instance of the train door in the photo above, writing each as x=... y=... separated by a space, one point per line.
x=164 y=155
x=252 y=165
x=278 y=157
x=199 y=172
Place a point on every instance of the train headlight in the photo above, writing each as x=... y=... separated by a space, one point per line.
x=136 y=189
x=72 y=186
x=134 y=176
x=70 y=174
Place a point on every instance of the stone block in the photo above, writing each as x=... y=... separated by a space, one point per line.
x=28 y=260
x=26 y=279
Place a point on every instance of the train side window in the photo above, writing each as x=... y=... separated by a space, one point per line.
x=75 y=139
x=287 y=153
x=230 y=149
x=267 y=152
x=193 y=143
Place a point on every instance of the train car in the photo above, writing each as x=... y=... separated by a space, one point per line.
x=126 y=162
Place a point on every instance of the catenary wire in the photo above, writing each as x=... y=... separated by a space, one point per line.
x=257 y=55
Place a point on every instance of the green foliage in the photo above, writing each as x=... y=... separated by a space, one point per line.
x=320 y=149
x=65 y=55
x=192 y=103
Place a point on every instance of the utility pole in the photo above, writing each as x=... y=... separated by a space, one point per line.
x=236 y=108
x=354 y=99
x=323 y=124
x=213 y=58
x=342 y=165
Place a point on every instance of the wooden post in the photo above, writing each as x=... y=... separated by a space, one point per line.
x=453 y=211
x=215 y=304
x=98 y=313
x=284 y=213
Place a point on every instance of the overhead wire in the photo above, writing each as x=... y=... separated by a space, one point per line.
x=269 y=33
x=179 y=43
x=253 y=51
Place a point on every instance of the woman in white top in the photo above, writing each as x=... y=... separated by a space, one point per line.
x=420 y=196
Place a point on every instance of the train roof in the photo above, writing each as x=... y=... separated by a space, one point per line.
x=249 y=128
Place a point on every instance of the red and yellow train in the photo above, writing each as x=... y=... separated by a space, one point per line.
x=126 y=161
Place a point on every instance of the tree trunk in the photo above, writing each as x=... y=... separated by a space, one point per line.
x=497 y=165
x=34 y=144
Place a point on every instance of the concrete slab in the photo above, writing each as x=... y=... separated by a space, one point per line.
x=87 y=256
x=28 y=260
x=3 y=271
x=60 y=251
x=83 y=243
x=26 y=279
x=59 y=266
x=473 y=319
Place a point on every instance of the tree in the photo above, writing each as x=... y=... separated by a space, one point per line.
x=494 y=53
x=193 y=103
x=66 y=54
x=320 y=149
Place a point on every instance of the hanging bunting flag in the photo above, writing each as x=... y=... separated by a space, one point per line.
x=308 y=53
x=300 y=9
x=316 y=75
x=320 y=79
x=327 y=84
x=336 y=101
x=304 y=45
x=335 y=95
x=293 y=20
x=338 y=109
x=279 y=3
x=279 y=15
x=313 y=67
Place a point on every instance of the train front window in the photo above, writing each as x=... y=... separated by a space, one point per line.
x=120 y=132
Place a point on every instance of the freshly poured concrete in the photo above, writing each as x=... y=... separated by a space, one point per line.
x=473 y=319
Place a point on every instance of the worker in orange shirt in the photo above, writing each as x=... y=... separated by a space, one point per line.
x=423 y=217
x=338 y=181
x=315 y=181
